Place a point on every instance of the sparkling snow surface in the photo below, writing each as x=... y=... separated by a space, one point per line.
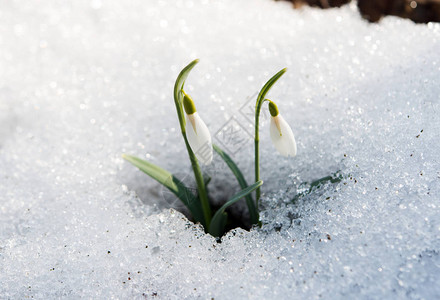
x=83 y=82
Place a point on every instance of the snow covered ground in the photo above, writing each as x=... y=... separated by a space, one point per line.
x=82 y=82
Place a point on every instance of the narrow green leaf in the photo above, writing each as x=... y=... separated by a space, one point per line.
x=253 y=212
x=333 y=178
x=172 y=183
x=218 y=221
x=207 y=180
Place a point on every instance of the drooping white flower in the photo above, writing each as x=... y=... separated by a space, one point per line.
x=197 y=133
x=280 y=133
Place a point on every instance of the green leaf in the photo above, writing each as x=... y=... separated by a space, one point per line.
x=253 y=212
x=178 y=95
x=206 y=179
x=333 y=178
x=172 y=183
x=218 y=222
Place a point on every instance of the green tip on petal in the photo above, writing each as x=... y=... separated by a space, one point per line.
x=188 y=104
x=273 y=109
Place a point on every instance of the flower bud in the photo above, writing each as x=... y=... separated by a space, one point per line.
x=280 y=133
x=197 y=132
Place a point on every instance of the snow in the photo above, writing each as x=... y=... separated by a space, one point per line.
x=83 y=82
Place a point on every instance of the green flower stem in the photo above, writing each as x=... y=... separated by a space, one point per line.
x=178 y=97
x=260 y=100
x=200 y=184
x=257 y=155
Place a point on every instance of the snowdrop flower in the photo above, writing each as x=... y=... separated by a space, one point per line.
x=280 y=133
x=198 y=135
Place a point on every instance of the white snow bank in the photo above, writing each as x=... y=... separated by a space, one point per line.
x=82 y=82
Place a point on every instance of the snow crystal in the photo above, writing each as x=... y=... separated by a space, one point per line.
x=83 y=82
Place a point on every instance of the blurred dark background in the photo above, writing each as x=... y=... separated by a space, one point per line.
x=420 y=11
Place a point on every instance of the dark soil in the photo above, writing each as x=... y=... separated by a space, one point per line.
x=420 y=11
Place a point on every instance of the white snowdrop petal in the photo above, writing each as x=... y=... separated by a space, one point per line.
x=283 y=139
x=199 y=138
